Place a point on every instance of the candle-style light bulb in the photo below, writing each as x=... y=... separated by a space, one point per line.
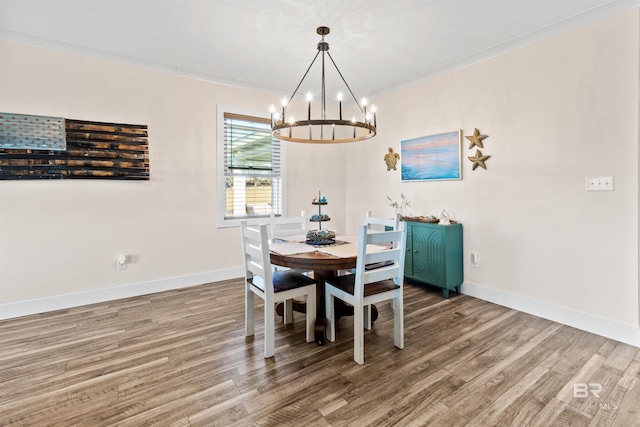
x=284 y=104
x=353 y=120
x=309 y=98
x=373 y=110
x=364 y=104
x=340 y=103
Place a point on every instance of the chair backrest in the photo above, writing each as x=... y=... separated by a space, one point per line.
x=258 y=209
x=393 y=259
x=374 y=223
x=257 y=262
x=259 y=220
x=282 y=227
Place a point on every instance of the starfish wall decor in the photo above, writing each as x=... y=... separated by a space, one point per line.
x=476 y=139
x=478 y=159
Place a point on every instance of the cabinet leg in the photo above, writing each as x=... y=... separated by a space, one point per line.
x=445 y=292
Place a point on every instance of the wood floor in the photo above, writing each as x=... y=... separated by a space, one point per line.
x=181 y=358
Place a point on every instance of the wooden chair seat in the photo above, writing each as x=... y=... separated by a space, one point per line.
x=377 y=265
x=284 y=281
x=347 y=284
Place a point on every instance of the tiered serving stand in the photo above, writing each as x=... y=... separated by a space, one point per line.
x=320 y=237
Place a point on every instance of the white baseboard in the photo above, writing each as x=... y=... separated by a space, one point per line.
x=606 y=328
x=60 y=302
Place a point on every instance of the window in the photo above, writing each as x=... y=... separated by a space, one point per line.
x=250 y=175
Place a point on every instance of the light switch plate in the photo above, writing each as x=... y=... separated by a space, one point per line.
x=599 y=183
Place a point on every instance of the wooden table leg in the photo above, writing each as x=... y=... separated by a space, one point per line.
x=321 y=317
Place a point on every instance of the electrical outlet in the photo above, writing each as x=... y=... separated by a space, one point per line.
x=121 y=262
x=475 y=259
x=599 y=183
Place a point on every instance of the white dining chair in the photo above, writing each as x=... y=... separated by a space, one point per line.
x=367 y=287
x=283 y=227
x=375 y=223
x=286 y=227
x=380 y=224
x=272 y=287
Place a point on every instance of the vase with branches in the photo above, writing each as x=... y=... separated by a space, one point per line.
x=399 y=205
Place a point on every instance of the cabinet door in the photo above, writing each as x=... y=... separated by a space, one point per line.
x=428 y=253
x=408 y=256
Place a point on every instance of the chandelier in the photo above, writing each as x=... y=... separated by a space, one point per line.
x=318 y=128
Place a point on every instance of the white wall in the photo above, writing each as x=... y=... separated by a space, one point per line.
x=555 y=112
x=62 y=238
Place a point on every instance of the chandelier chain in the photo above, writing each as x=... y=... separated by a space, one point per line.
x=345 y=82
x=303 y=77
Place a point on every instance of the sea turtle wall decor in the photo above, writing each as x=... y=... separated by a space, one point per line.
x=391 y=159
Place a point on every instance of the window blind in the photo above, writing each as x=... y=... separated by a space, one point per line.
x=252 y=168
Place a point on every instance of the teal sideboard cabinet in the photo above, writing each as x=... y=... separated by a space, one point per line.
x=434 y=255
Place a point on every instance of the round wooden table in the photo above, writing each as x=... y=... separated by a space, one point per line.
x=324 y=266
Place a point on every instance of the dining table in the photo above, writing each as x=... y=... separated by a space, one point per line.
x=325 y=261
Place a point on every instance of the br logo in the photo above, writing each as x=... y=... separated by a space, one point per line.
x=582 y=390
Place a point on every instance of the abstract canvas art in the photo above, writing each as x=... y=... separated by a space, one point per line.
x=433 y=157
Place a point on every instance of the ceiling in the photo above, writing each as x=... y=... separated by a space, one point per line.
x=378 y=45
